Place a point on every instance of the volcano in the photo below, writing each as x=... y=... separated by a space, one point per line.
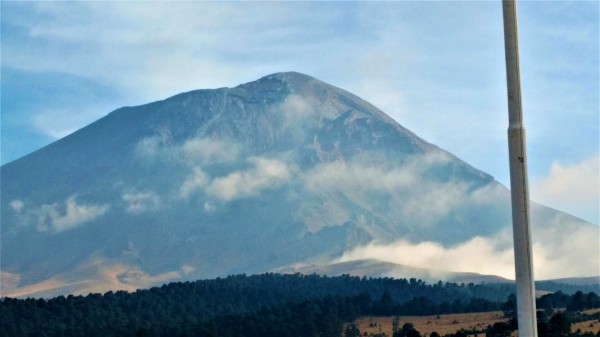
x=283 y=171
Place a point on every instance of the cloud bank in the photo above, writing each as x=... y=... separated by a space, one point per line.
x=481 y=255
x=562 y=245
x=559 y=254
x=573 y=188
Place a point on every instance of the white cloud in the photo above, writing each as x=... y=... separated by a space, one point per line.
x=140 y=202
x=149 y=146
x=68 y=215
x=209 y=207
x=266 y=173
x=418 y=200
x=192 y=152
x=195 y=181
x=173 y=50
x=368 y=176
x=476 y=255
x=490 y=194
x=572 y=188
x=156 y=147
x=298 y=111
x=357 y=175
x=210 y=151
x=566 y=254
x=187 y=269
x=17 y=206
x=556 y=254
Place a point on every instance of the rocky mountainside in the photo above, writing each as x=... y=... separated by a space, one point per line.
x=271 y=173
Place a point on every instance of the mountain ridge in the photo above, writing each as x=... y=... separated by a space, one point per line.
x=377 y=268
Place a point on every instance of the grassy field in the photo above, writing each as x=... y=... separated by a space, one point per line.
x=447 y=324
x=442 y=324
x=592 y=326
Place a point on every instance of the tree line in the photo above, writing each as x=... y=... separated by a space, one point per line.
x=259 y=305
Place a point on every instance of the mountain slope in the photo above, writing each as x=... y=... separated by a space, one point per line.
x=283 y=170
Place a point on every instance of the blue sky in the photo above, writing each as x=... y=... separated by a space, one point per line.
x=436 y=67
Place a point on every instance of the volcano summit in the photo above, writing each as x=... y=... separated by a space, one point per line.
x=284 y=171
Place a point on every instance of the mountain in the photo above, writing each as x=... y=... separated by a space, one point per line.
x=281 y=171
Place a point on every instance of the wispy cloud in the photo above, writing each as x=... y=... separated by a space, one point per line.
x=156 y=148
x=58 y=216
x=172 y=49
x=419 y=200
x=17 y=206
x=572 y=188
x=209 y=151
x=140 y=202
x=67 y=215
x=193 y=152
x=266 y=173
x=299 y=111
x=368 y=176
x=198 y=155
x=195 y=181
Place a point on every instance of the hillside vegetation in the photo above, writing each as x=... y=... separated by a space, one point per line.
x=262 y=305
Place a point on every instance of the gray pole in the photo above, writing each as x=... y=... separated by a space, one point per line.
x=518 y=178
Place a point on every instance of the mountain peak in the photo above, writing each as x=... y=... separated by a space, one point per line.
x=288 y=75
x=289 y=78
x=287 y=83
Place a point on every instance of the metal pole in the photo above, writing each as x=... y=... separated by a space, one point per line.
x=518 y=178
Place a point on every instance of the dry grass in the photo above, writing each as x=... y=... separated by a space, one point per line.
x=591 y=311
x=592 y=326
x=587 y=326
x=445 y=324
